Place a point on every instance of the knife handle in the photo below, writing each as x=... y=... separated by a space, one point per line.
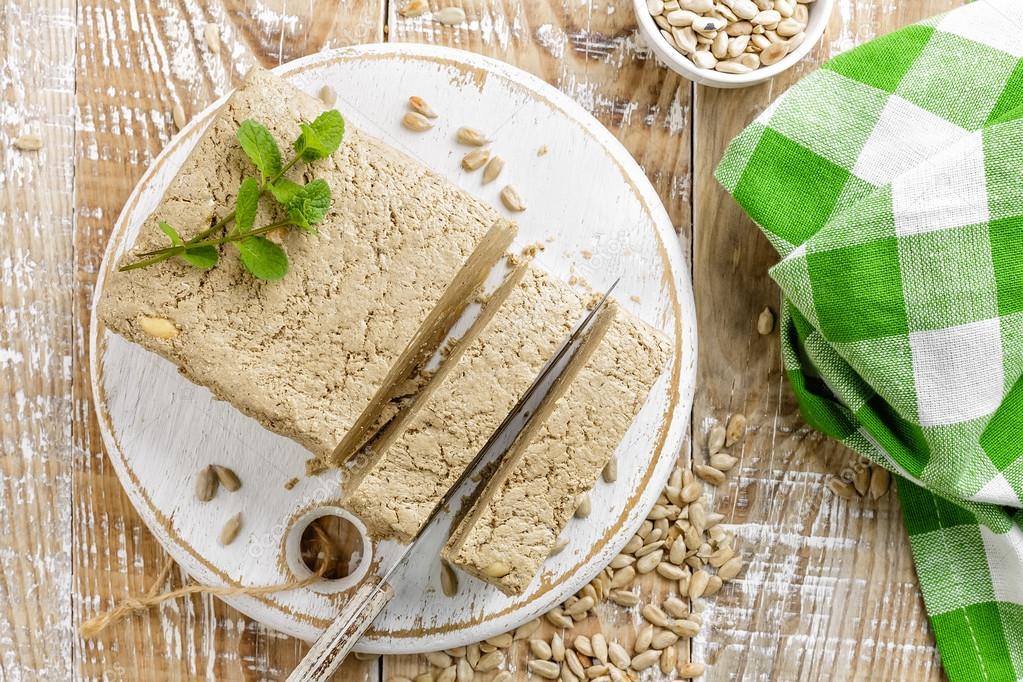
x=326 y=655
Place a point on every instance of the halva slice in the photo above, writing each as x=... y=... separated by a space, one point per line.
x=474 y=391
x=365 y=302
x=514 y=523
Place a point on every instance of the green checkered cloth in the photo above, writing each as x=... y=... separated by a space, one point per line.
x=891 y=183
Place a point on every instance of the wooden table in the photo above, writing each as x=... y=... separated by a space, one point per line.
x=830 y=591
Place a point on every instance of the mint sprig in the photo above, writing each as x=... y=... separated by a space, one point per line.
x=305 y=205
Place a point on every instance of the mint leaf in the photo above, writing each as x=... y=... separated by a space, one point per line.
x=260 y=147
x=263 y=258
x=248 y=202
x=309 y=204
x=283 y=190
x=172 y=233
x=322 y=137
x=204 y=257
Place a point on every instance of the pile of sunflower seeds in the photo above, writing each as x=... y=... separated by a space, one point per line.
x=681 y=541
x=860 y=479
x=732 y=36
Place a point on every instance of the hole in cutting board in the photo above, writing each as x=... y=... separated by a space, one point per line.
x=332 y=543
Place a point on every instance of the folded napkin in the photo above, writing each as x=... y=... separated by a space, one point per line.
x=891 y=183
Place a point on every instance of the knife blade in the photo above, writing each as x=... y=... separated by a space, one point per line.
x=372 y=595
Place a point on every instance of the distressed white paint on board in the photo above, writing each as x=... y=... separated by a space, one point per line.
x=609 y=210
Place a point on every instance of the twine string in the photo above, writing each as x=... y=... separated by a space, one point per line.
x=153 y=596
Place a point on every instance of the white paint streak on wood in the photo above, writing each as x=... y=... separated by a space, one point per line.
x=38 y=44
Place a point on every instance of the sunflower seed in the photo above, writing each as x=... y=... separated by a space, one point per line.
x=414 y=8
x=328 y=96
x=731 y=66
x=723 y=461
x=861 y=481
x=491 y=661
x=713 y=586
x=670 y=571
x=621 y=561
x=211 y=33
x=698 y=584
x=471 y=137
x=557 y=618
x=617 y=654
x=649 y=548
x=416 y=122
x=526 y=629
x=765 y=322
x=624 y=598
x=419 y=105
x=623 y=577
x=663 y=639
x=561 y=544
x=227 y=478
x=545 y=669
x=158 y=327
x=424 y=677
x=599 y=644
x=28 y=143
x=653 y=614
x=709 y=474
x=720 y=556
x=669 y=658
x=493 y=169
x=735 y=430
x=503 y=676
x=690 y=670
x=685 y=628
x=581 y=606
x=463 y=671
x=497 y=569
x=575 y=665
x=448 y=579
x=774 y=53
x=450 y=16
x=511 y=199
x=691 y=492
x=730 y=568
x=230 y=530
x=649 y=562
x=880 y=482
x=582 y=506
x=646 y=659
x=438 y=659
x=206 y=484
x=178 y=114
x=716 y=438
x=475 y=159
x=643 y=639
x=448 y=674
x=842 y=489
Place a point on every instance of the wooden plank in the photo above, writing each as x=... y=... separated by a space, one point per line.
x=591 y=52
x=37 y=46
x=829 y=584
x=136 y=60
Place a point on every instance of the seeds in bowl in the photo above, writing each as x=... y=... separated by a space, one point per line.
x=731 y=36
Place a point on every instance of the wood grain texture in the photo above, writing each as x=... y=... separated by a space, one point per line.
x=135 y=61
x=830 y=590
x=36 y=336
x=829 y=584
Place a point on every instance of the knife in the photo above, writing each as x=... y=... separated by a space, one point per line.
x=371 y=595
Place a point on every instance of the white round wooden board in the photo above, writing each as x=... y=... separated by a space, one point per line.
x=598 y=216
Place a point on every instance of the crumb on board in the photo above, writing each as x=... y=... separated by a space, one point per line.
x=291 y=483
x=542 y=151
x=634 y=298
x=530 y=250
x=315 y=466
x=586 y=253
x=550 y=239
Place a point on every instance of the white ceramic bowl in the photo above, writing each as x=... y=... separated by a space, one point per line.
x=819 y=14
